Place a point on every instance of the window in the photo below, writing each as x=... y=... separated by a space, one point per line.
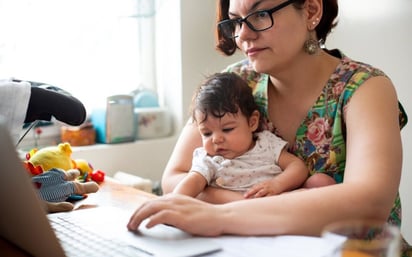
x=90 y=48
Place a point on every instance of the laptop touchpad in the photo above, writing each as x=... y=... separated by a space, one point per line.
x=162 y=231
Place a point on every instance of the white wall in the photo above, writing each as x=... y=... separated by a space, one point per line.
x=186 y=52
x=379 y=32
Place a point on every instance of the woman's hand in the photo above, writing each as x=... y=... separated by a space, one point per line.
x=184 y=212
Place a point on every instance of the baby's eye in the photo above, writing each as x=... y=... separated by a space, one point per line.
x=227 y=129
x=206 y=134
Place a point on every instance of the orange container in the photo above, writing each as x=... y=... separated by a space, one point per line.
x=79 y=136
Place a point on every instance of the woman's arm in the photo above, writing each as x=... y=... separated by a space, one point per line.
x=372 y=176
x=180 y=161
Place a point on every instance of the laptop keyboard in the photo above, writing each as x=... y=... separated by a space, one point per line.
x=77 y=241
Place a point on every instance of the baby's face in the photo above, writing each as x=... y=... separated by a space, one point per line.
x=229 y=136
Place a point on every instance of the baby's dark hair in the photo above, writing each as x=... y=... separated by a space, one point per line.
x=222 y=93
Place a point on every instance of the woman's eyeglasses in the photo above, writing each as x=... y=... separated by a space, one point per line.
x=256 y=21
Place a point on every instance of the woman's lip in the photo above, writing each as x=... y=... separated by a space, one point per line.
x=253 y=51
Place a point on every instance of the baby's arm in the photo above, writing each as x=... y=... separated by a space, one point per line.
x=191 y=185
x=294 y=175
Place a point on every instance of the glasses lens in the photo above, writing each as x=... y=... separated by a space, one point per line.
x=227 y=28
x=259 y=21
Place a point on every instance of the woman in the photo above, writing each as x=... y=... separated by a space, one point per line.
x=340 y=116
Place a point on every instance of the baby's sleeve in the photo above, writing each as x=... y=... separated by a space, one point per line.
x=203 y=164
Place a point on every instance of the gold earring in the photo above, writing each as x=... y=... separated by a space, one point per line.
x=311 y=46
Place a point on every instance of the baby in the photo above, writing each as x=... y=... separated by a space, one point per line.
x=236 y=154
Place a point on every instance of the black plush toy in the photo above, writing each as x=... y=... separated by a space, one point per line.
x=47 y=101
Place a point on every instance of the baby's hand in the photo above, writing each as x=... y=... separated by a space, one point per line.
x=265 y=188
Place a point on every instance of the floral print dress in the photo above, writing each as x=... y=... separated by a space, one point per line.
x=320 y=139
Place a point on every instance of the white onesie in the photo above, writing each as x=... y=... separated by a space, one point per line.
x=239 y=174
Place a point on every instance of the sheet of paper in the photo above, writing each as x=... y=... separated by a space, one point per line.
x=285 y=246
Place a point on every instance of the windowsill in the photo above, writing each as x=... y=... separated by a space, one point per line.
x=145 y=158
x=140 y=142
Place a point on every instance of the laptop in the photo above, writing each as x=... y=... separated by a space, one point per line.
x=24 y=222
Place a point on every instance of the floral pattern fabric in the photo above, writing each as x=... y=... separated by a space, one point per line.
x=320 y=139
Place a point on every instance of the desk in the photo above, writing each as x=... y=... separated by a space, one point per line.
x=110 y=193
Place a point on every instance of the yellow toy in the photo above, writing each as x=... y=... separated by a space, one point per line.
x=39 y=161
x=85 y=168
x=56 y=176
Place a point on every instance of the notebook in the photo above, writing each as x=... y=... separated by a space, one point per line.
x=24 y=222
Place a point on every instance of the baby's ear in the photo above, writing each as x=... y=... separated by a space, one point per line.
x=254 y=120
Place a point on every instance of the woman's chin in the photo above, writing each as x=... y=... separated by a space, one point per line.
x=258 y=66
x=260 y=69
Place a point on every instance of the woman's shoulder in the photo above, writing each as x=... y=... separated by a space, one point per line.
x=348 y=76
x=353 y=72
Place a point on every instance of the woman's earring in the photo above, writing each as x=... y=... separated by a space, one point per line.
x=311 y=46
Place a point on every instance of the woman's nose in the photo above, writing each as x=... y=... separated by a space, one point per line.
x=245 y=32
